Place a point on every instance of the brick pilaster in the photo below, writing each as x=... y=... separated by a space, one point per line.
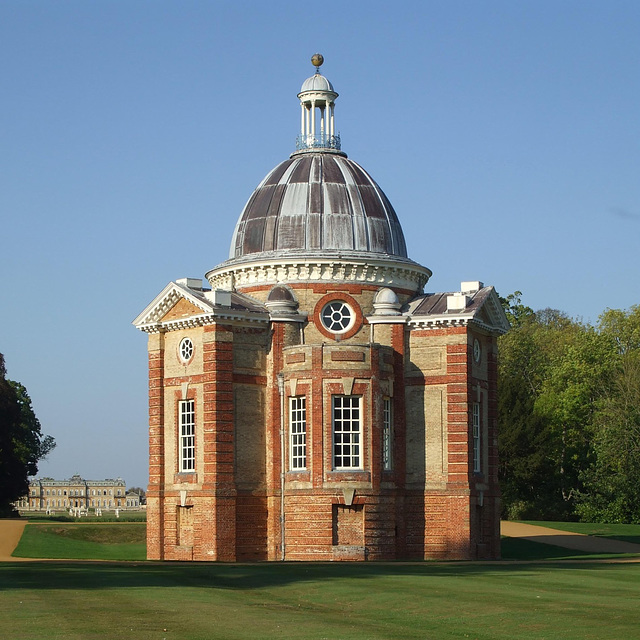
x=155 y=490
x=218 y=537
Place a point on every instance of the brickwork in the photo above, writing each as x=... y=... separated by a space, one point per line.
x=155 y=490
x=430 y=504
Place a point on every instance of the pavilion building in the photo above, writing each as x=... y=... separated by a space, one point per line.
x=310 y=401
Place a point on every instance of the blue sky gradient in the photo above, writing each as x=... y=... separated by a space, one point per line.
x=506 y=135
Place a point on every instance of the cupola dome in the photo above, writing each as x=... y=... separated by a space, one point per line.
x=318 y=205
x=314 y=204
x=317 y=82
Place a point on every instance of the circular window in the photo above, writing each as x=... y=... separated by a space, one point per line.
x=477 y=350
x=337 y=316
x=186 y=349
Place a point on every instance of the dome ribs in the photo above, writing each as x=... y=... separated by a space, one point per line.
x=337 y=227
x=292 y=218
x=359 y=221
x=388 y=235
x=315 y=205
x=397 y=234
x=301 y=170
x=275 y=176
x=316 y=202
x=250 y=234
x=273 y=219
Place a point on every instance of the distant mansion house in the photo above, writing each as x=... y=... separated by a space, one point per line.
x=76 y=492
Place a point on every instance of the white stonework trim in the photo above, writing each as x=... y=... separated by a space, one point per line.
x=281 y=317
x=239 y=318
x=165 y=300
x=497 y=325
x=496 y=312
x=347 y=385
x=433 y=322
x=149 y=320
x=441 y=322
x=387 y=319
x=365 y=271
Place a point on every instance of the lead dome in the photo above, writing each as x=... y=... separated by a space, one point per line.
x=318 y=216
x=318 y=203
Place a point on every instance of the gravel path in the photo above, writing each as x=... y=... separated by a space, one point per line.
x=10 y=534
x=566 y=539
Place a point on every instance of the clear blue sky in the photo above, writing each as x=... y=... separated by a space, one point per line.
x=506 y=134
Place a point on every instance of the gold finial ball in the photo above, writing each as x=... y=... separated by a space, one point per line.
x=317 y=60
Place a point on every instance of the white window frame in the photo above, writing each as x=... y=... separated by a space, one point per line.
x=387 y=434
x=297 y=433
x=186 y=349
x=337 y=316
x=187 y=435
x=346 y=428
x=476 y=434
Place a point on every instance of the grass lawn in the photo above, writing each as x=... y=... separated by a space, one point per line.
x=145 y=601
x=125 y=541
x=624 y=532
x=520 y=549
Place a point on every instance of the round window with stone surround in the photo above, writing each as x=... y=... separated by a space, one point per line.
x=337 y=316
x=186 y=349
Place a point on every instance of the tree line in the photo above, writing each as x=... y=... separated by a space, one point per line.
x=569 y=415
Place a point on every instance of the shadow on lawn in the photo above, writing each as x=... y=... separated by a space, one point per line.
x=79 y=575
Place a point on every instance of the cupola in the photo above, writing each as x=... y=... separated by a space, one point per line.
x=318 y=206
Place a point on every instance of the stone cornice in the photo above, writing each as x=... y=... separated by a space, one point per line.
x=150 y=320
x=234 y=275
x=399 y=319
x=444 y=321
x=237 y=318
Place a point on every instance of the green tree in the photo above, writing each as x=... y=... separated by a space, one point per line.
x=611 y=482
x=22 y=443
x=551 y=368
x=516 y=312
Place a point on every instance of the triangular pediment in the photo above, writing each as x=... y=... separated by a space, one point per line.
x=490 y=312
x=482 y=315
x=481 y=308
x=174 y=302
x=183 y=308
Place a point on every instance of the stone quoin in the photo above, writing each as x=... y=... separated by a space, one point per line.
x=310 y=401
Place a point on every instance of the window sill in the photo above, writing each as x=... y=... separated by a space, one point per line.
x=349 y=475
x=185 y=477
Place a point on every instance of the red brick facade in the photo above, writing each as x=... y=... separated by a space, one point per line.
x=315 y=404
x=430 y=504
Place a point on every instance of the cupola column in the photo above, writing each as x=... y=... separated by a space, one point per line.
x=317 y=93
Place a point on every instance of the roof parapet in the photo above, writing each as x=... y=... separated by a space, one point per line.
x=219 y=297
x=471 y=286
x=194 y=284
x=457 y=302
